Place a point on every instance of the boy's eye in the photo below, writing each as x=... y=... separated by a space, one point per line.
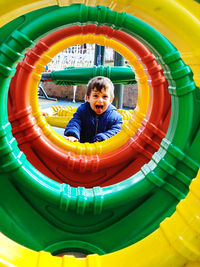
x=105 y=96
x=95 y=95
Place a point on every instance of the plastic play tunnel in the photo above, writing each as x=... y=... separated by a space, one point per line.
x=151 y=218
x=96 y=167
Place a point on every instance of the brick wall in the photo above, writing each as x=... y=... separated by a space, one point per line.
x=66 y=92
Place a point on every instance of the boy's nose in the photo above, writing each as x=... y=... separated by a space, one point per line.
x=100 y=99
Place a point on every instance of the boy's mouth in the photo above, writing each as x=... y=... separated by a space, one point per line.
x=99 y=108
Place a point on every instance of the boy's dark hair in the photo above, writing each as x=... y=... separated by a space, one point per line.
x=100 y=82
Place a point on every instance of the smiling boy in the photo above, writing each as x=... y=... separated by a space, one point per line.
x=97 y=119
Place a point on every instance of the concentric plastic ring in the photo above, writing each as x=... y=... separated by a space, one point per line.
x=137 y=149
x=166 y=177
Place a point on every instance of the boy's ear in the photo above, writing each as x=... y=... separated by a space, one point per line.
x=87 y=97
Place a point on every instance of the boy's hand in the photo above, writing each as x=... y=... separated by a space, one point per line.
x=71 y=138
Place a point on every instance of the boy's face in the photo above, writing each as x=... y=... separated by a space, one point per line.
x=99 y=101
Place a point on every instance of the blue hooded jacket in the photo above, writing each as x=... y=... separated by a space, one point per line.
x=87 y=126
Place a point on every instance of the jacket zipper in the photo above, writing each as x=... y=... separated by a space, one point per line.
x=97 y=124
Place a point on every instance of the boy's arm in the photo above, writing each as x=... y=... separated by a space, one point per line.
x=73 y=127
x=114 y=129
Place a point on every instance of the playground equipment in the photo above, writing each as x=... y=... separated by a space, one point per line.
x=74 y=76
x=165 y=179
x=60 y=116
x=161 y=102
